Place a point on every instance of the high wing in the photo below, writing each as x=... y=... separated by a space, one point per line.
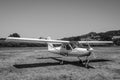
x=34 y=40
x=97 y=42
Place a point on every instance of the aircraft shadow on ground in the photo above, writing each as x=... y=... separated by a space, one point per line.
x=76 y=63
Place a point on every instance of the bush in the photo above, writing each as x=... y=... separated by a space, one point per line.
x=116 y=42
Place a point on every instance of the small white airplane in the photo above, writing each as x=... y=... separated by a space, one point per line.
x=67 y=48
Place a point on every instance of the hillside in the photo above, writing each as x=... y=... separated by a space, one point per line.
x=102 y=36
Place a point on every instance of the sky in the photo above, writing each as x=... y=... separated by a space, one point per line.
x=58 y=18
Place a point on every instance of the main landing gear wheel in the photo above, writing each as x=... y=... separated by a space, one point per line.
x=87 y=63
x=61 y=62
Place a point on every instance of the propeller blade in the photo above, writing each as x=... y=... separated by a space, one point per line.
x=93 y=54
x=88 y=45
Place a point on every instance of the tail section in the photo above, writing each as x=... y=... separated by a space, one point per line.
x=50 y=45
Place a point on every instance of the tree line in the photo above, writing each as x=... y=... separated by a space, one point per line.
x=3 y=43
x=102 y=36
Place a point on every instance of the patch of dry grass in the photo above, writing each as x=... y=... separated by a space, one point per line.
x=21 y=64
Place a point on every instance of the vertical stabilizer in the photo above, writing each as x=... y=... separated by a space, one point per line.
x=50 y=45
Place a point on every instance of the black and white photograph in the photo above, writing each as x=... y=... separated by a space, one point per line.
x=59 y=39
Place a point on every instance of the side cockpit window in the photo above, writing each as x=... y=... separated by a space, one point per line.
x=68 y=47
x=75 y=44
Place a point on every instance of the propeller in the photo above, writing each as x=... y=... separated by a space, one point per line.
x=90 y=49
x=93 y=54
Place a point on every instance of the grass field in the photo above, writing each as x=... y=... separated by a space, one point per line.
x=36 y=64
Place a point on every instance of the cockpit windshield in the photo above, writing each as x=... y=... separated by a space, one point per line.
x=73 y=45
x=76 y=44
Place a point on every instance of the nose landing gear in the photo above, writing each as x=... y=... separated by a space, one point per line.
x=86 y=63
